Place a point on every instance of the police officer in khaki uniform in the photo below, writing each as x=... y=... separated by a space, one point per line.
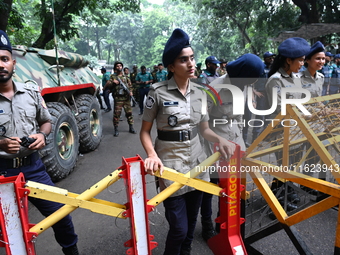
x=179 y=109
x=284 y=74
x=23 y=113
x=244 y=70
x=122 y=97
x=313 y=81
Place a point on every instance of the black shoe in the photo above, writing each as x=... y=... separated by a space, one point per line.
x=185 y=251
x=131 y=130
x=208 y=230
x=102 y=108
x=116 y=133
x=72 y=250
x=107 y=110
x=140 y=113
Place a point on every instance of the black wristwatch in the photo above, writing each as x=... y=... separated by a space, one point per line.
x=40 y=132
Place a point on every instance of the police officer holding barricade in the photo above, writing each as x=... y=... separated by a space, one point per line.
x=243 y=71
x=25 y=124
x=179 y=108
x=122 y=91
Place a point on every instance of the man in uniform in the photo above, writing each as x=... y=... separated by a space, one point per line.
x=161 y=74
x=209 y=74
x=153 y=73
x=222 y=69
x=135 y=86
x=127 y=72
x=106 y=88
x=23 y=112
x=122 y=97
x=144 y=80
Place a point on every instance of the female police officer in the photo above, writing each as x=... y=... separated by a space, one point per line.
x=283 y=74
x=313 y=81
x=178 y=107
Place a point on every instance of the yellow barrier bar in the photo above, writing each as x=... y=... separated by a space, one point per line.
x=269 y=196
x=314 y=141
x=94 y=205
x=313 y=210
x=198 y=184
x=67 y=209
x=160 y=197
x=302 y=179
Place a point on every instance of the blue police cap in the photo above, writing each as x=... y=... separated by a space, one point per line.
x=329 y=54
x=336 y=56
x=4 y=42
x=245 y=70
x=212 y=59
x=316 y=48
x=294 y=47
x=268 y=54
x=177 y=41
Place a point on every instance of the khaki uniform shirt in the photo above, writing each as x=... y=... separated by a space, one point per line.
x=21 y=115
x=225 y=111
x=174 y=111
x=313 y=84
x=279 y=80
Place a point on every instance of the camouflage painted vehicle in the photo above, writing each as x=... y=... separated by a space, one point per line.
x=69 y=89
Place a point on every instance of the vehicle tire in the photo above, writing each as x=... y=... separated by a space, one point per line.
x=89 y=121
x=62 y=145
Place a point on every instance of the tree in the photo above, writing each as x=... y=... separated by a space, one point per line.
x=65 y=12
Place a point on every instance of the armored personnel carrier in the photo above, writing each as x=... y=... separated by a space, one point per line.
x=69 y=88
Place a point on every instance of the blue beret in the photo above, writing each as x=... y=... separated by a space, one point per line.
x=268 y=54
x=247 y=66
x=336 y=56
x=329 y=54
x=4 y=42
x=212 y=59
x=316 y=48
x=294 y=47
x=176 y=43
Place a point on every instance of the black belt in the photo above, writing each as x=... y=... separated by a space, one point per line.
x=180 y=135
x=19 y=162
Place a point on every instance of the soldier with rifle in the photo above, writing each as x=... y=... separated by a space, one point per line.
x=122 y=93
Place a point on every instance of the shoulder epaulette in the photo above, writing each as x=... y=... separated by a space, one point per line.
x=158 y=85
x=32 y=86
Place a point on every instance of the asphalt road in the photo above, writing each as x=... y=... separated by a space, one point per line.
x=104 y=235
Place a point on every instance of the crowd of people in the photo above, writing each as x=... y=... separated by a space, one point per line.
x=183 y=115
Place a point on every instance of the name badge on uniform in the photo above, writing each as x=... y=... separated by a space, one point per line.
x=170 y=103
x=172 y=120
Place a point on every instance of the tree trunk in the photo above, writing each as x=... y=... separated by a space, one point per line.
x=309 y=11
x=98 y=43
x=4 y=14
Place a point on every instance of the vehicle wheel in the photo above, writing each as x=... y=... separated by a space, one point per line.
x=89 y=120
x=62 y=145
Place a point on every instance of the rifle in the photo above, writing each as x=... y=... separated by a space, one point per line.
x=127 y=90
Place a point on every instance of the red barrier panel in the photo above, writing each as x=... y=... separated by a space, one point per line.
x=229 y=240
x=137 y=208
x=15 y=235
